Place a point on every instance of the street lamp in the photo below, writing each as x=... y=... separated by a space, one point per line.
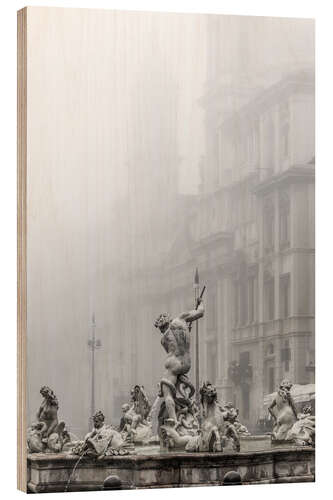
x=93 y=344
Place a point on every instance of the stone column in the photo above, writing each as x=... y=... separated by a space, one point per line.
x=276 y=121
x=260 y=310
x=220 y=332
x=226 y=336
x=261 y=148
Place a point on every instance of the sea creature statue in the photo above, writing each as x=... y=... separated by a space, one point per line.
x=283 y=411
x=176 y=410
x=303 y=432
x=102 y=441
x=214 y=431
x=47 y=435
x=135 y=424
x=224 y=417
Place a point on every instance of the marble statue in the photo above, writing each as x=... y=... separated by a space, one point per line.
x=175 y=388
x=231 y=414
x=135 y=424
x=102 y=441
x=215 y=430
x=47 y=435
x=224 y=417
x=283 y=411
x=303 y=432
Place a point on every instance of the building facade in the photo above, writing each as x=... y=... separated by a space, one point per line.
x=250 y=232
x=258 y=189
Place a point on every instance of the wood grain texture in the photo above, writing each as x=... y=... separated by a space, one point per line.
x=21 y=245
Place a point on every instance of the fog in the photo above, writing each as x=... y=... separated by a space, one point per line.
x=117 y=134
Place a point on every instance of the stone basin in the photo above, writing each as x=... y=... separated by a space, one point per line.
x=149 y=468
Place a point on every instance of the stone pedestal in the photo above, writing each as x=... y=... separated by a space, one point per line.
x=50 y=473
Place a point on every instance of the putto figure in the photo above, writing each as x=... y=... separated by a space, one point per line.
x=176 y=340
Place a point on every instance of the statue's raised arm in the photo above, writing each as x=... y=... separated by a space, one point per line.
x=190 y=316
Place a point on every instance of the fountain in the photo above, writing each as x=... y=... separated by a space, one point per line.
x=186 y=446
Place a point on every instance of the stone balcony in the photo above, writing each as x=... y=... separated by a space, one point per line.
x=273 y=328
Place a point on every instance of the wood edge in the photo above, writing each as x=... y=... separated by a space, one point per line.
x=21 y=246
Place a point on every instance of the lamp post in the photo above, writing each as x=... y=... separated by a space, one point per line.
x=93 y=344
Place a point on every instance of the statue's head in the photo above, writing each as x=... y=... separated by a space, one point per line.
x=286 y=385
x=163 y=322
x=48 y=394
x=98 y=419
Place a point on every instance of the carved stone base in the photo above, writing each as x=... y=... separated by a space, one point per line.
x=50 y=473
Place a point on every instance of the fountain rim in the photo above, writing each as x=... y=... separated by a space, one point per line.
x=139 y=458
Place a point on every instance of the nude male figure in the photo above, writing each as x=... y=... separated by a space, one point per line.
x=176 y=342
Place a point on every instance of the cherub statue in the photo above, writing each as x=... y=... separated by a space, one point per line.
x=283 y=411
